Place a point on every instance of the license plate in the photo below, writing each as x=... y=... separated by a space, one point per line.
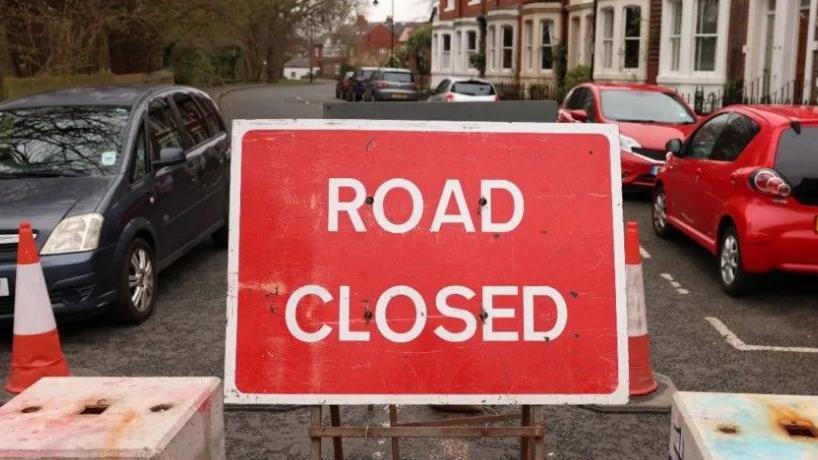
x=399 y=96
x=4 y=287
x=655 y=170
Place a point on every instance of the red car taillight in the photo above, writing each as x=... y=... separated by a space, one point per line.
x=449 y=97
x=769 y=182
x=497 y=98
x=382 y=84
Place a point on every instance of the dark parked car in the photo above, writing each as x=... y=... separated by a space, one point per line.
x=391 y=85
x=342 y=86
x=357 y=83
x=118 y=183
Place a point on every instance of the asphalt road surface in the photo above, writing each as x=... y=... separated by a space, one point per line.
x=186 y=335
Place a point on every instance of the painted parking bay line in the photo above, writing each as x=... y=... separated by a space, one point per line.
x=645 y=254
x=739 y=344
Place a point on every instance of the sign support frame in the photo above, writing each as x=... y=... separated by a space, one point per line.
x=531 y=430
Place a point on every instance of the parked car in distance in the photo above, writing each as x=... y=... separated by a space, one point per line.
x=390 y=84
x=342 y=86
x=647 y=115
x=464 y=90
x=745 y=186
x=357 y=83
x=117 y=184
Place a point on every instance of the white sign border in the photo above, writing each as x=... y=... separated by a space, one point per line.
x=233 y=395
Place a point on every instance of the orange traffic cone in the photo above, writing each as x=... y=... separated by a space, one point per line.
x=35 y=351
x=641 y=372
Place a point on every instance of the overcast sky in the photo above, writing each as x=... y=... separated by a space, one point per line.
x=405 y=10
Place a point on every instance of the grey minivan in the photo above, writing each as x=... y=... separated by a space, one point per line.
x=117 y=183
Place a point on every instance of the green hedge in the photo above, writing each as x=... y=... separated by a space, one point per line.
x=12 y=87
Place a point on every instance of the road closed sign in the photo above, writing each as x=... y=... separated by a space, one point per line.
x=425 y=262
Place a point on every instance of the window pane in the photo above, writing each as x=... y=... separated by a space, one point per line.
x=215 y=125
x=633 y=20
x=506 y=58
x=607 y=20
x=707 y=17
x=508 y=37
x=676 y=27
x=472 y=39
x=608 y=54
x=643 y=106
x=192 y=117
x=163 y=129
x=739 y=131
x=547 y=58
x=546 y=32
x=706 y=53
x=140 y=156
x=631 y=54
x=675 y=49
x=701 y=145
x=797 y=161
x=447 y=42
x=473 y=88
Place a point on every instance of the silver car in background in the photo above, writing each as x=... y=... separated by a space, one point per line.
x=389 y=84
x=464 y=90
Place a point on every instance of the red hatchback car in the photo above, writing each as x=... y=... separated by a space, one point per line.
x=745 y=186
x=647 y=115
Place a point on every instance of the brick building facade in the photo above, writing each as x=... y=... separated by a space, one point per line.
x=765 y=47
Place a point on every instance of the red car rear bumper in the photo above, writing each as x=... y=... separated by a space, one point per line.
x=781 y=238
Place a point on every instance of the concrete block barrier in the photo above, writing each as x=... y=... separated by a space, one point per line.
x=115 y=417
x=729 y=426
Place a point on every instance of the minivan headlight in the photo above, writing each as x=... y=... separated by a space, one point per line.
x=74 y=234
x=628 y=143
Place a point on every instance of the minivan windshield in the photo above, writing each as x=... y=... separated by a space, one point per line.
x=62 y=141
x=643 y=107
x=797 y=161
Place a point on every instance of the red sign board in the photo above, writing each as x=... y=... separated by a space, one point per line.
x=404 y=262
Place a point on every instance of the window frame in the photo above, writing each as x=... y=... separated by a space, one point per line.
x=631 y=38
x=174 y=115
x=701 y=36
x=142 y=130
x=676 y=8
x=507 y=48
x=606 y=17
x=547 y=50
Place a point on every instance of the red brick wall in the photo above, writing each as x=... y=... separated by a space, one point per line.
x=378 y=37
x=654 y=39
x=736 y=38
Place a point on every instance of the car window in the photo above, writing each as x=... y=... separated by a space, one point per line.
x=398 y=77
x=213 y=120
x=587 y=104
x=738 y=132
x=442 y=87
x=797 y=160
x=192 y=117
x=574 y=100
x=473 y=88
x=704 y=139
x=140 y=156
x=630 y=105
x=164 y=131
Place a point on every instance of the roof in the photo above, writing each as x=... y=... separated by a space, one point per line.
x=782 y=114
x=301 y=62
x=115 y=96
x=633 y=86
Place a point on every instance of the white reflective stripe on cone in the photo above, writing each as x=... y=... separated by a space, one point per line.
x=635 y=292
x=32 y=307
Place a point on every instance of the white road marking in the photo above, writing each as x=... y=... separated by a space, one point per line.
x=739 y=344
x=645 y=254
x=675 y=284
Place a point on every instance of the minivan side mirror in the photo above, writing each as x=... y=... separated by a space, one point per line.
x=674 y=146
x=169 y=156
x=579 y=115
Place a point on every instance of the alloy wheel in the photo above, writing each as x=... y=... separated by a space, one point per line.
x=141 y=279
x=729 y=260
x=659 y=211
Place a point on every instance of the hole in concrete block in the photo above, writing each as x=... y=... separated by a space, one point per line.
x=30 y=409
x=728 y=429
x=94 y=409
x=801 y=428
x=161 y=407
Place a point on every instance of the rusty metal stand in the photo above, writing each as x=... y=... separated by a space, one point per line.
x=531 y=430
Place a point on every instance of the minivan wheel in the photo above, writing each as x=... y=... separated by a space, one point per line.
x=659 y=214
x=137 y=290
x=734 y=280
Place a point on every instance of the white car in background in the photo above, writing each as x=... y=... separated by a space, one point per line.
x=464 y=90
